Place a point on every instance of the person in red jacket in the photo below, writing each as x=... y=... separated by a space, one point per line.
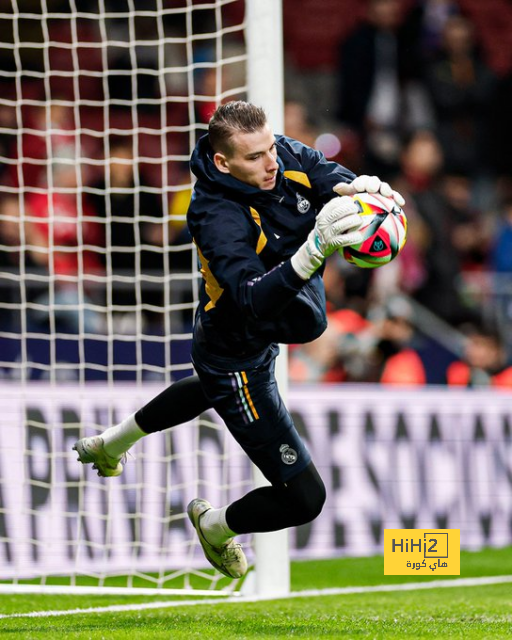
x=66 y=241
x=484 y=363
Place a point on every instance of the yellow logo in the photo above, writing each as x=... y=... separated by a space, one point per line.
x=421 y=552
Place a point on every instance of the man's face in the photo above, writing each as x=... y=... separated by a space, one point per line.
x=121 y=165
x=484 y=353
x=252 y=159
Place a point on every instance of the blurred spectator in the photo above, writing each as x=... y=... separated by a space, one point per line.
x=499 y=306
x=132 y=215
x=422 y=161
x=11 y=232
x=471 y=229
x=337 y=144
x=334 y=356
x=431 y=229
x=206 y=81
x=15 y=260
x=501 y=250
x=484 y=364
x=10 y=245
x=354 y=349
x=394 y=360
x=335 y=284
x=9 y=127
x=65 y=240
x=133 y=63
x=298 y=124
x=212 y=82
x=16 y=236
x=421 y=166
x=317 y=361
x=432 y=16
x=52 y=136
x=379 y=97
x=461 y=87
x=61 y=222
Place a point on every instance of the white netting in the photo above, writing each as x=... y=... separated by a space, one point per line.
x=101 y=103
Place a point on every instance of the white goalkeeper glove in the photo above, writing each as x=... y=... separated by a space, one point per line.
x=336 y=226
x=369 y=184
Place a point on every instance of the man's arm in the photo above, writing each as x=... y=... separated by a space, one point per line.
x=224 y=238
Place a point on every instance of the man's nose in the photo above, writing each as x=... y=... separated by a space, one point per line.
x=271 y=163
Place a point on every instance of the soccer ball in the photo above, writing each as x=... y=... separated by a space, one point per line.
x=384 y=232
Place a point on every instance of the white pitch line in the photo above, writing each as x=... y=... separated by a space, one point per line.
x=71 y=590
x=310 y=593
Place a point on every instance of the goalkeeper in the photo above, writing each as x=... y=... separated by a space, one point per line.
x=265 y=214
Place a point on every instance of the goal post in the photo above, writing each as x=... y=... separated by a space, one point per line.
x=101 y=106
x=266 y=89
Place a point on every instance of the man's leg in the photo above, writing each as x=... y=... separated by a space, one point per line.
x=279 y=506
x=249 y=403
x=272 y=508
x=180 y=402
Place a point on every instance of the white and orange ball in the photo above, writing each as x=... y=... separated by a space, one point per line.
x=384 y=232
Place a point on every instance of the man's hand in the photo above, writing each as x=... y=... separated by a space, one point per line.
x=336 y=226
x=369 y=184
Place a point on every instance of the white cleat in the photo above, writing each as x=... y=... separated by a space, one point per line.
x=93 y=450
x=229 y=558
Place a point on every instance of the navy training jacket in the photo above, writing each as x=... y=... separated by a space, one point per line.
x=250 y=295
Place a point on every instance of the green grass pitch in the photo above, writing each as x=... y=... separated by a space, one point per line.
x=480 y=611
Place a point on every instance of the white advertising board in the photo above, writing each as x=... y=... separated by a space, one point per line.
x=389 y=458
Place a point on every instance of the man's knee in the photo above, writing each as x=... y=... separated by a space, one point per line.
x=313 y=501
x=306 y=495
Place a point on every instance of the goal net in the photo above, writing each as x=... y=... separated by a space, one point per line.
x=101 y=104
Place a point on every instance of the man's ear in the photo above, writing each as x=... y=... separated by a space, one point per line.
x=221 y=162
